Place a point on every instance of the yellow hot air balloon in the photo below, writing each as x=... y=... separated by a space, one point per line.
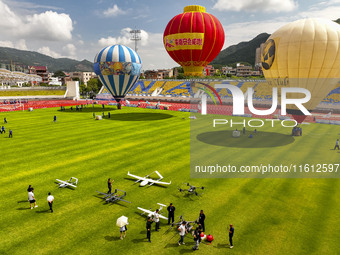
x=305 y=54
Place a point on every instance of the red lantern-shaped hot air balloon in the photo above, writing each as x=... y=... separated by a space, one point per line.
x=193 y=39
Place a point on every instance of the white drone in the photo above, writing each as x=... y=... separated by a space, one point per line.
x=71 y=182
x=146 y=180
x=152 y=213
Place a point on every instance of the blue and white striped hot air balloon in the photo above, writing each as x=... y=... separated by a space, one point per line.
x=118 y=68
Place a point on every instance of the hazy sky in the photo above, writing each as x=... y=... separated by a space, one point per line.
x=78 y=29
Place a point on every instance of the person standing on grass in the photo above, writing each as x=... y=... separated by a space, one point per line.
x=156 y=218
x=50 y=199
x=231 y=234
x=94 y=115
x=123 y=230
x=171 y=209
x=148 y=229
x=10 y=134
x=5 y=120
x=336 y=144
x=109 y=114
x=109 y=185
x=182 y=231
x=3 y=129
x=31 y=198
x=197 y=238
x=29 y=189
x=201 y=220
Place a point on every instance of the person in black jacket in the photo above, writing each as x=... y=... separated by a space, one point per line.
x=171 y=209
x=148 y=229
x=231 y=234
x=109 y=185
x=197 y=238
x=201 y=220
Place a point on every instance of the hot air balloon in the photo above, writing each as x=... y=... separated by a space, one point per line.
x=305 y=54
x=193 y=39
x=118 y=68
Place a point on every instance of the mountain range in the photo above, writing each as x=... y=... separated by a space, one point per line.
x=25 y=58
x=242 y=52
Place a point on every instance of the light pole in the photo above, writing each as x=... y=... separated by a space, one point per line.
x=135 y=36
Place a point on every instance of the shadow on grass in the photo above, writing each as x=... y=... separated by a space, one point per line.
x=112 y=238
x=141 y=240
x=172 y=245
x=44 y=211
x=222 y=246
x=23 y=201
x=139 y=116
x=89 y=110
x=23 y=208
x=120 y=203
x=224 y=138
x=188 y=250
x=188 y=196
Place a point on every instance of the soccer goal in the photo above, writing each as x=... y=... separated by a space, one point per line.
x=12 y=107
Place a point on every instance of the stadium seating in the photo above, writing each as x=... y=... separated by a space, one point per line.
x=333 y=97
x=170 y=88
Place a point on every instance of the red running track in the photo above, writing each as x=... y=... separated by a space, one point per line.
x=212 y=109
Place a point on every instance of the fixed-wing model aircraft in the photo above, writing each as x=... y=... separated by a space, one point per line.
x=114 y=197
x=191 y=190
x=71 y=182
x=151 y=213
x=146 y=180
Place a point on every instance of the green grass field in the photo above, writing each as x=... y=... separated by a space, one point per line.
x=270 y=216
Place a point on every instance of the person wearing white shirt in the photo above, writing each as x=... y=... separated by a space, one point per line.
x=31 y=198
x=156 y=219
x=50 y=199
x=182 y=231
